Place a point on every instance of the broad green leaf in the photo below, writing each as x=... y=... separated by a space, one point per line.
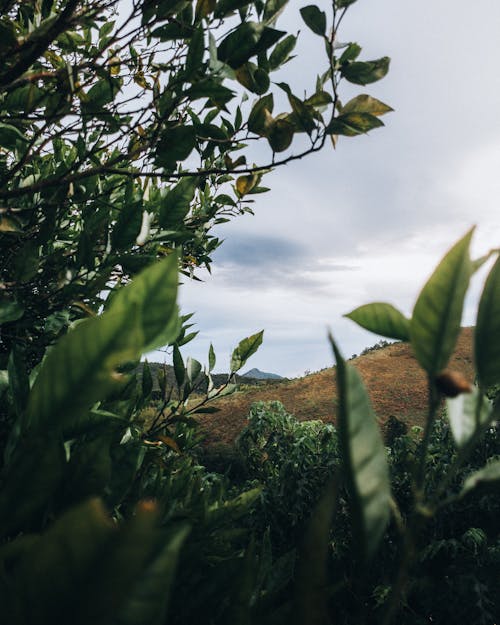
x=280 y=134
x=488 y=475
x=364 y=458
x=128 y=225
x=205 y=7
x=383 y=319
x=273 y=9
x=10 y=136
x=177 y=203
x=246 y=40
x=10 y=310
x=179 y=369
x=175 y=144
x=28 y=482
x=435 y=323
x=487 y=332
x=260 y=115
x=253 y=78
x=153 y=292
x=314 y=19
x=351 y=53
x=196 y=50
x=81 y=369
x=468 y=414
x=148 y=603
x=246 y=348
x=211 y=357
x=302 y=115
x=281 y=52
x=363 y=73
x=352 y=124
x=193 y=369
x=366 y=104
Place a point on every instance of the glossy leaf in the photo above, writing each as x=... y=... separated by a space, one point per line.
x=435 y=323
x=245 y=41
x=487 y=332
x=364 y=459
x=352 y=124
x=468 y=414
x=153 y=292
x=176 y=205
x=246 y=348
x=383 y=319
x=282 y=51
x=314 y=19
x=193 y=369
x=364 y=73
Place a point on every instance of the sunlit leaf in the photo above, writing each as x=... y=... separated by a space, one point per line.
x=246 y=348
x=244 y=184
x=435 y=323
x=383 y=319
x=364 y=458
x=366 y=104
x=352 y=124
x=281 y=52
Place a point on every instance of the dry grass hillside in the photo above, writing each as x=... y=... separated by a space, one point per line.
x=396 y=384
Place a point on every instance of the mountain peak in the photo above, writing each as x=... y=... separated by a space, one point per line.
x=257 y=374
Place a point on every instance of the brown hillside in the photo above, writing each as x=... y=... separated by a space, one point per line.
x=396 y=384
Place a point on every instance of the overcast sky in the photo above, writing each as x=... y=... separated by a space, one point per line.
x=369 y=221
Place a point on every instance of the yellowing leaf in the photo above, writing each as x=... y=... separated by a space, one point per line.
x=244 y=184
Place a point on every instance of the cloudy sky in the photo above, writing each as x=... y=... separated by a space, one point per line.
x=369 y=221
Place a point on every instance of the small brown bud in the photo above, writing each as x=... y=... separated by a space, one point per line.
x=452 y=383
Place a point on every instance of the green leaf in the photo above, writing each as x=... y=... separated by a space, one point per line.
x=468 y=414
x=176 y=144
x=177 y=203
x=10 y=310
x=211 y=357
x=10 y=137
x=435 y=323
x=366 y=104
x=246 y=348
x=193 y=369
x=383 y=319
x=153 y=292
x=179 y=369
x=280 y=134
x=352 y=124
x=488 y=475
x=314 y=19
x=225 y=7
x=273 y=9
x=79 y=370
x=363 y=73
x=302 y=115
x=364 y=458
x=196 y=50
x=128 y=225
x=148 y=603
x=253 y=78
x=351 y=53
x=260 y=115
x=487 y=332
x=281 y=52
x=246 y=40
x=147 y=380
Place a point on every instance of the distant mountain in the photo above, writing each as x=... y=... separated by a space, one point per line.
x=257 y=374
